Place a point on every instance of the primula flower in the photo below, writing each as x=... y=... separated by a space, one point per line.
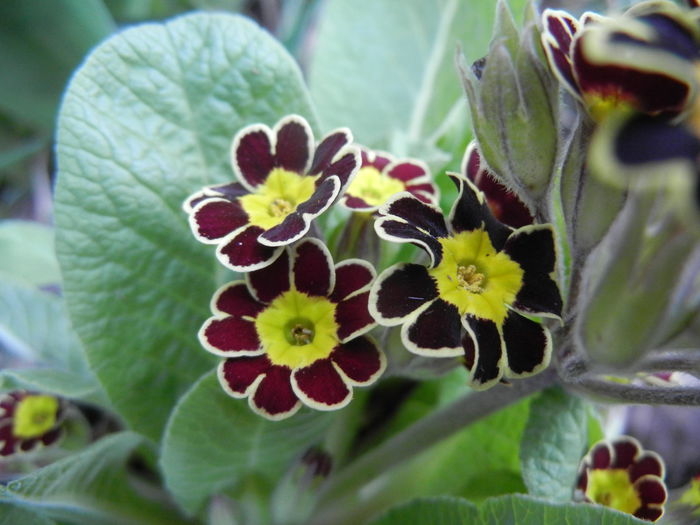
x=483 y=275
x=691 y=496
x=505 y=204
x=284 y=182
x=619 y=474
x=644 y=60
x=28 y=421
x=381 y=176
x=293 y=332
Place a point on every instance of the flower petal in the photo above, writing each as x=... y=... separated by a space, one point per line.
x=600 y=456
x=237 y=375
x=533 y=248
x=274 y=398
x=359 y=360
x=320 y=386
x=344 y=166
x=377 y=159
x=230 y=336
x=540 y=296
x=214 y=218
x=559 y=30
x=235 y=299
x=312 y=271
x=399 y=291
x=471 y=212
x=407 y=170
x=434 y=331
x=528 y=346
x=294 y=144
x=625 y=451
x=488 y=352
x=297 y=223
x=398 y=231
x=426 y=218
x=241 y=251
x=649 y=513
x=353 y=317
x=328 y=148
x=251 y=155
x=269 y=282
x=651 y=490
x=351 y=276
x=648 y=463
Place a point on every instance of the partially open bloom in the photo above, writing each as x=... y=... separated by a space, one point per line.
x=293 y=332
x=381 y=176
x=505 y=204
x=483 y=276
x=284 y=182
x=28 y=420
x=643 y=60
x=619 y=474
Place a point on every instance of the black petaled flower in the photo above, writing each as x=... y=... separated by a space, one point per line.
x=292 y=332
x=505 y=204
x=381 y=176
x=619 y=474
x=644 y=60
x=483 y=275
x=29 y=420
x=284 y=182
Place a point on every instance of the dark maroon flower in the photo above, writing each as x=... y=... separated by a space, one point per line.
x=619 y=474
x=28 y=421
x=483 y=275
x=505 y=204
x=381 y=176
x=284 y=182
x=292 y=332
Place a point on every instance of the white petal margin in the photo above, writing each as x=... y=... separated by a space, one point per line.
x=409 y=321
x=236 y=143
x=323 y=406
x=373 y=377
x=222 y=353
x=546 y=359
x=298 y=119
x=194 y=226
x=324 y=250
x=374 y=290
x=242 y=269
x=357 y=262
x=474 y=385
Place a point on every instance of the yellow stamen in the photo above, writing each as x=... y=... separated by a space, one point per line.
x=34 y=416
x=470 y=279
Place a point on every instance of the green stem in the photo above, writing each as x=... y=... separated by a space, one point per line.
x=648 y=395
x=428 y=431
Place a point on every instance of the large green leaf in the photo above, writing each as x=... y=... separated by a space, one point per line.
x=435 y=511
x=28 y=253
x=145 y=122
x=90 y=487
x=41 y=43
x=526 y=510
x=213 y=441
x=555 y=439
x=34 y=327
x=385 y=68
x=11 y=515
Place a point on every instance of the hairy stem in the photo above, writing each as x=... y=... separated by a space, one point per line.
x=624 y=393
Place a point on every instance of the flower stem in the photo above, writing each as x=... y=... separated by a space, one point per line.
x=622 y=393
x=428 y=431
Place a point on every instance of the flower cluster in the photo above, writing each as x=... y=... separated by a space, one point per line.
x=619 y=474
x=29 y=420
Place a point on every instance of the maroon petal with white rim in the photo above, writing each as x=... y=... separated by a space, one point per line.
x=328 y=148
x=312 y=271
x=651 y=490
x=353 y=317
x=344 y=167
x=214 y=218
x=407 y=208
x=399 y=291
x=230 y=336
x=407 y=170
x=351 y=276
x=625 y=452
x=273 y=397
x=394 y=230
x=234 y=299
x=294 y=143
x=320 y=386
x=648 y=463
x=237 y=375
x=251 y=155
x=359 y=360
x=269 y=282
x=241 y=251
x=488 y=352
x=434 y=331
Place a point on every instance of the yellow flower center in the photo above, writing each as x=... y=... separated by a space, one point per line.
x=277 y=197
x=34 y=416
x=601 y=105
x=476 y=278
x=297 y=329
x=373 y=187
x=612 y=488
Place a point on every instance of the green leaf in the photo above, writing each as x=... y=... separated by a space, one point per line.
x=435 y=511
x=147 y=121
x=28 y=253
x=554 y=441
x=396 y=82
x=42 y=42
x=34 y=327
x=526 y=510
x=213 y=441
x=90 y=487
x=11 y=515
